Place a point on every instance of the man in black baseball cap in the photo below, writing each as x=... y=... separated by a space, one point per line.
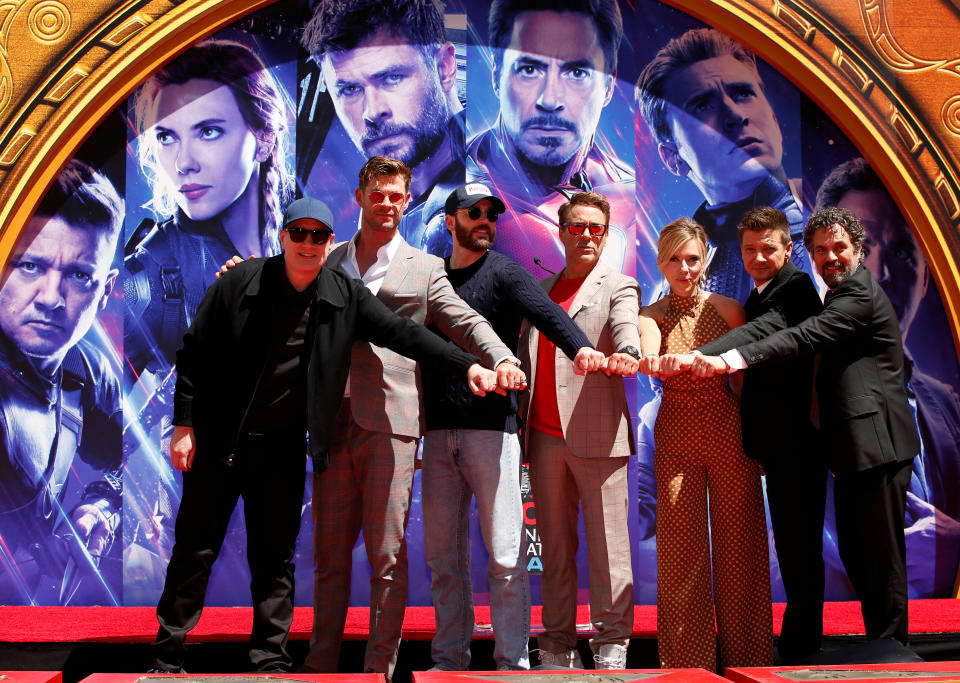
x=471 y=446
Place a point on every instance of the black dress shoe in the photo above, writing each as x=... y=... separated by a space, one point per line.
x=273 y=669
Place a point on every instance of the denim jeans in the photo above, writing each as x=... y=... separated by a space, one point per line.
x=458 y=463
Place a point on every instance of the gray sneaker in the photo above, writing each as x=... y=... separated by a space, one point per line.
x=560 y=660
x=611 y=657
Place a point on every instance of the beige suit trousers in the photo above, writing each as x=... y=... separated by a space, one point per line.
x=562 y=484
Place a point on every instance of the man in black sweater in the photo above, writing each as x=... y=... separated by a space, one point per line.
x=265 y=361
x=471 y=446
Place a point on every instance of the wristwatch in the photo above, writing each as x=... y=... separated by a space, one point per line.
x=630 y=351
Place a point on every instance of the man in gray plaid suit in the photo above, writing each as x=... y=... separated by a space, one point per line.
x=370 y=477
x=579 y=440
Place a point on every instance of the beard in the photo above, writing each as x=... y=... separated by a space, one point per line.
x=833 y=280
x=466 y=239
x=426 y=133
x=545 y=151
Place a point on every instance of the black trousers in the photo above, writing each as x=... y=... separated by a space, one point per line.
x=870 y=508
x=269 y=473
x=797 y=493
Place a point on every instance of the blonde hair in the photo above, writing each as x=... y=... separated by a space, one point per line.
x=674 y=235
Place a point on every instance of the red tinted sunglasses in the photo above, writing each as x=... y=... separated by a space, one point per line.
x=377 y=197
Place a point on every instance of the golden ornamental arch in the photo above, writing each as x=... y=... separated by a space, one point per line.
x=888 y=73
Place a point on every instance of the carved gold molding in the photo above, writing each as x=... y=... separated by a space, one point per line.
x=887 y=73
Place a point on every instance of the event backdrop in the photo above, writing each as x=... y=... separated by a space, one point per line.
x=86 y=515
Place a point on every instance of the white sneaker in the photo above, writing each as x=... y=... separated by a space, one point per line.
x=611 y=657
x=565 y=660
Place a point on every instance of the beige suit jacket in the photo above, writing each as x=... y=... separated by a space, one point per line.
x=593 y=408
x=385 y=387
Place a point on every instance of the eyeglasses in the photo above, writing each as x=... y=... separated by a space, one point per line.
x=475 y=212
x=377 y=197
x=298 y=235
x=596 y=229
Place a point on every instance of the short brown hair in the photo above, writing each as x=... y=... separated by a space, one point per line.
x=693 y=46
x=343 y=24
x=585 y=199
x=605 y=14
x=677 y=233
x=765 y=218
x=852 y=174
x=379 y=166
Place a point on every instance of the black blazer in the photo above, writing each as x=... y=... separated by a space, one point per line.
x=865 y=417
x=224 y=350
x=779 y=394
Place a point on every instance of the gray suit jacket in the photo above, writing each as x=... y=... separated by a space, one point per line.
x=385 y=386
x=593 y=408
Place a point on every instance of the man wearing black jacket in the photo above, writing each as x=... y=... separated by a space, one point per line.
x=267 y=355
x=867 y=427
x=796 y=473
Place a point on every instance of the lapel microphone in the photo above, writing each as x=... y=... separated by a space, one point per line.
x=537 y=260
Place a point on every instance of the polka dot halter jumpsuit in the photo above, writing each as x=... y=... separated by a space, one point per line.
x=699 y=452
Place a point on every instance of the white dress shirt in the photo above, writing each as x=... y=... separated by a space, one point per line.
x=373 y=278
x=732 y=357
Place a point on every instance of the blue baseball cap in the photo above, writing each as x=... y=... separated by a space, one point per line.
x=308 y=207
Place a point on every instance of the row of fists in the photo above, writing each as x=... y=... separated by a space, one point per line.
x=591 y=360
x=670 y=364
x=508 y=376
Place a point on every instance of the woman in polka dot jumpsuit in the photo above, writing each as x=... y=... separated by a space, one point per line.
x=698 y=449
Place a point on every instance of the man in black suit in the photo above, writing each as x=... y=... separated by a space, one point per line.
x=796 y=474
x=867 y=428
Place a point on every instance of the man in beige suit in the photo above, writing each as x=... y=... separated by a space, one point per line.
x=370 y=477
x=579 y=440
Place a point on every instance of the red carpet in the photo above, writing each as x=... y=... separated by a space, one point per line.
x=138 y=624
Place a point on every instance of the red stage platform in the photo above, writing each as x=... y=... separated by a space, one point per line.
x=232 y=624
x=570 y=676
x=31 y=676
x=235 y=678
x=875 y=673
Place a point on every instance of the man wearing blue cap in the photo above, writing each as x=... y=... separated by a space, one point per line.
x=244 y=402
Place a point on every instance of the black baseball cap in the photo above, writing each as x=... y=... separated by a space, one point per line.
x=467 y=195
